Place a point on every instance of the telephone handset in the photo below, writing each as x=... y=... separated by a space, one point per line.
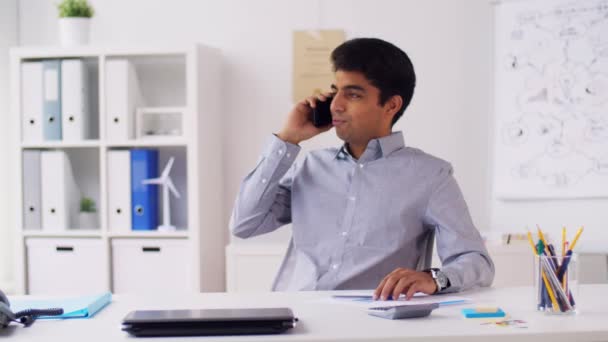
x=25 y=317
x=6 y=315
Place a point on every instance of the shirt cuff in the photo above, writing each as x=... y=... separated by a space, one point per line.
x=282 y=150
x=279 y=155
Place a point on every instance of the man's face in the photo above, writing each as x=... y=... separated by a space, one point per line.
x=356 y=111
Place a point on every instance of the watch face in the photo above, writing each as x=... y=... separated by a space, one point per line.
x=442 y=279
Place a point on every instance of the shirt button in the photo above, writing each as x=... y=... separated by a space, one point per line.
x=360 y=166
x=280 y=151
x=352 y=198
x=288 y=155
x=334 y=266
x=344 y=233
x=263 y=180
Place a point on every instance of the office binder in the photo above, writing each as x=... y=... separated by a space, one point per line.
x=144 y=197
x=52 y=99
x=73 y=307
x=122 y=96
x=60 y=194
x=74 y=100
x=119 y=190
x=31 y=101
x=31 y=190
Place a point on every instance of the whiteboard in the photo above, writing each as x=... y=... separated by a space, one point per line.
x=551 y=99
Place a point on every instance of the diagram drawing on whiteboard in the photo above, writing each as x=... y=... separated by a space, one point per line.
x=551 y=99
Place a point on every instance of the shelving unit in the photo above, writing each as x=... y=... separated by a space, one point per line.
x=184 y=77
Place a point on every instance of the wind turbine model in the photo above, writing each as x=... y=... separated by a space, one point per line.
x=167 y=185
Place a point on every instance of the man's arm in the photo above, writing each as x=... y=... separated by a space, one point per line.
x=465 y=260
x=264 y=200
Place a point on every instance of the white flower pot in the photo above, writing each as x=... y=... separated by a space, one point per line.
x=87 y=220
x=74 y=31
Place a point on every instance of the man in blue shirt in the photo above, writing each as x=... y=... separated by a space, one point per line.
x=360 y=213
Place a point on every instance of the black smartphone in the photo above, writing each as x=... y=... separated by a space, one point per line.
x=321 y=115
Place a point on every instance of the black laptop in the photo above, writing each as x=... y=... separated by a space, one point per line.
x=207 y=322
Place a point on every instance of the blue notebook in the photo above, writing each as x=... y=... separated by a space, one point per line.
x=73 y=307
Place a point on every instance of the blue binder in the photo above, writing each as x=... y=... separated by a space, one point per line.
x=51 y=71
x=144 y=197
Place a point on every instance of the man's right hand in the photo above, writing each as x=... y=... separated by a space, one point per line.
x=299 y=125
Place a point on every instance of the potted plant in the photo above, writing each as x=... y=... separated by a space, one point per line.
x=74 y=22
x=87 y=218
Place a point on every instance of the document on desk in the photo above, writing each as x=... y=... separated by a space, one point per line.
x=365 y=299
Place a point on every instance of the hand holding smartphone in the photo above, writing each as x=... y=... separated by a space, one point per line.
x=305 y=122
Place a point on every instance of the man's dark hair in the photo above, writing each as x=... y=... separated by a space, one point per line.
x=386 y=67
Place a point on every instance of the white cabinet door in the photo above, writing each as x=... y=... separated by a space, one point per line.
x=151 y=265
x=66 y=266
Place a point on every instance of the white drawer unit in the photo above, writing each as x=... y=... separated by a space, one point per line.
x=252 y=268
x=66 y=266
x=151 y=265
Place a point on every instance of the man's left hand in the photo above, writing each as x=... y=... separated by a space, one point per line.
x=405 y=281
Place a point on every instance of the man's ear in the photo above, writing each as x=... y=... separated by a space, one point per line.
x=392 y=105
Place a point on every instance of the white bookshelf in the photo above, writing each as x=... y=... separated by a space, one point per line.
x=185 y=77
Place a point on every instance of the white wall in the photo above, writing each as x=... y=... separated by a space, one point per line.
x=450 y=42
x=8 y=37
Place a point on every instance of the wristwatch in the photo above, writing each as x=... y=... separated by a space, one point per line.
x=441 y=280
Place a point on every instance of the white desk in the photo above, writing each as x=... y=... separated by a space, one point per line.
x=322 y=320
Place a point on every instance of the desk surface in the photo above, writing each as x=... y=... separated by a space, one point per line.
x=324 y=320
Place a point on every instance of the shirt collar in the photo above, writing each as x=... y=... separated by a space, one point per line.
x=377 y=148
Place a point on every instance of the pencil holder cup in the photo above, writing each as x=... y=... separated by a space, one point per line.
x=556 y=284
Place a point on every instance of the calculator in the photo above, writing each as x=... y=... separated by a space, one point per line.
x=403 y=311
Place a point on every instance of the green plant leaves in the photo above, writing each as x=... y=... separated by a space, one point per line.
x=75 y=8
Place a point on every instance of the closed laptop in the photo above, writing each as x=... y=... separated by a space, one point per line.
x=205 y=322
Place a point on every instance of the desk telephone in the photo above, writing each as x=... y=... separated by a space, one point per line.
x=25 y=317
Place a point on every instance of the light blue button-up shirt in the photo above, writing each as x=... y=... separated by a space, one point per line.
x=355 y=221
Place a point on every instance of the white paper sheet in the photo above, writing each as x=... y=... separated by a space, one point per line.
x=364 y=299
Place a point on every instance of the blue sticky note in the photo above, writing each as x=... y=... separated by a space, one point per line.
x=473 y=313
x=73 y=307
